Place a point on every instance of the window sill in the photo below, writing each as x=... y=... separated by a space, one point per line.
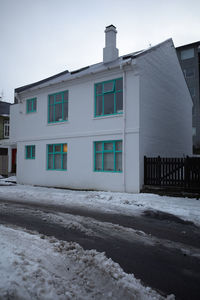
x=108 y=116
x=57 y=123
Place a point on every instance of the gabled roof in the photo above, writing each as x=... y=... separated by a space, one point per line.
x=66 y=75
x=4 y=108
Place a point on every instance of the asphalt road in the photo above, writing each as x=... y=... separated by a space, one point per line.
x=161 y=263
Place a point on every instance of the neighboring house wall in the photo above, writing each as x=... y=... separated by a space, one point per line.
x=189 y=58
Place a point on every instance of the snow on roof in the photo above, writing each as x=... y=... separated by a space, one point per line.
x=95 y=68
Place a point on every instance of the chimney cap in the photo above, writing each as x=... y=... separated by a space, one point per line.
x=110 y=26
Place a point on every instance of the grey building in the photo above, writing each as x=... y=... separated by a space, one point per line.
x=189 y=57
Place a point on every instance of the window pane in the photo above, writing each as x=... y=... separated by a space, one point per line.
x=65 y=96
x=51 y=113
x=58 y=98
x=192 y=91
x=33 y=151
x=119 y=102
x=28 y=152
x=51 y=99
x=118 y=157
x=118 y=146
x=108 y=86
x=98 y=162
x=50 y=161
x=189 y=72
x=99 y=89
x=29 y=106
x=50 y=148
x=119 y=84
x=58 y=112
x=57 y=161
x=65 y=161
x=99 y=105
x=34 y=104
x=99 y=146
x=108 y=161
x=57 y=148
x=108 y=104
x=108 y=146
x=64 y=147
x=188 y=53
x=65 y=110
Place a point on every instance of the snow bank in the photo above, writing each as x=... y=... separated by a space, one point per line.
x=37 y=267
x=130 y=204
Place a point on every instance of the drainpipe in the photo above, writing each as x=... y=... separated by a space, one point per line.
x=122 y=66
x=124 y=129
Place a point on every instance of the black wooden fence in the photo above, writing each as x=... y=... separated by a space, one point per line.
x=172 y=172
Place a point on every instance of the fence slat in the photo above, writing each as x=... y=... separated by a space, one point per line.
x=181 y=172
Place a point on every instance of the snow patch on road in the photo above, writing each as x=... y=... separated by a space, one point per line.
x=187 y=209
x=37 y=267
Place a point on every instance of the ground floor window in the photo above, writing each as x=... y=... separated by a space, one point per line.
x=108 y=156
x=57 y=157
x=30 y=152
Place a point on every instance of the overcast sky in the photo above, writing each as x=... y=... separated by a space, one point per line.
x=39 y=38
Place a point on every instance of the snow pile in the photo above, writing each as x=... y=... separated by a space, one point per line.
x=7 y=181
x=130 y=204
x=37 y=267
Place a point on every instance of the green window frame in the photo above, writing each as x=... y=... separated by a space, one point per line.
x=31 y=105
x=30 y=151
x=57 y=157
x=58 y=107
x=109 y=97
x=108 y=156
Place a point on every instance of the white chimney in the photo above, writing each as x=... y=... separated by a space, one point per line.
x=110 y=52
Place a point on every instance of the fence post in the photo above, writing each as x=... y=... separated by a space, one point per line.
x=187 y=173
x=158 y=179
x=145 y=170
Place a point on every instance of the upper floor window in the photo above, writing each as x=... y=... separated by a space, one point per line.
x=31 y=105
x=6 y=128
x=108 y=156
x=187 y=53
x=109 y=97
x=57 y=157
x=58 y=107
x=30 y=152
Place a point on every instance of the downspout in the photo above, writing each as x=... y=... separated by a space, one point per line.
x=124 y=130
x=122 y=66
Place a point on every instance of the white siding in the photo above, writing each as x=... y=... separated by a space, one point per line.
x=79 y=132
x=165 y=106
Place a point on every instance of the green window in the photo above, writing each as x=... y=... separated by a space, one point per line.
x=57 y=157
x=108 y=156
x=109 y=97
x=31 y=105
x=30 y=152
x=58 y=107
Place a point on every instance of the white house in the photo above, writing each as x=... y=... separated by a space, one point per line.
x=90 y=129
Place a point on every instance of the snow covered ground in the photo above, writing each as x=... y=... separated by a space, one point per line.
x=130 y=204
x=36 y=267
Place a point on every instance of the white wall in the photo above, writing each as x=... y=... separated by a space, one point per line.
x=165 y=106
x=79 y=132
